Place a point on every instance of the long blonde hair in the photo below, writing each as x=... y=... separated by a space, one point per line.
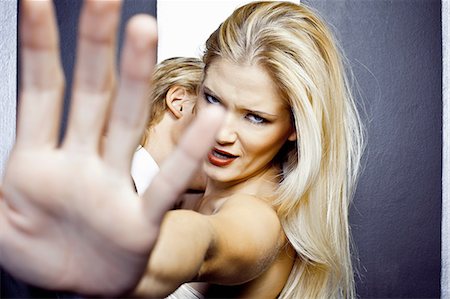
x=319 y=173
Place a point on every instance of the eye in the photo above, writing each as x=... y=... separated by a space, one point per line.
x=210 y=99
x=255 y=119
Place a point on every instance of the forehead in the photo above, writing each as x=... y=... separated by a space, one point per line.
x=247 y=85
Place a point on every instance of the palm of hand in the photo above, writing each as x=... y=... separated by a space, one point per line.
x=76 y=225
x=69 y=216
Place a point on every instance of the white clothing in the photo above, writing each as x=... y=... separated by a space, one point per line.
x=185 y=291
x=143 y=169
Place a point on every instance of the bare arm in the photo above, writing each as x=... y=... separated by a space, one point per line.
x=231 y=247
x=179 y=253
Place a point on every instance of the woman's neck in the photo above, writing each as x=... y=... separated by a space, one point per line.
x=261 y=183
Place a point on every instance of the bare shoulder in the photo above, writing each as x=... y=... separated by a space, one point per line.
x=248 y=238
x=244 y=209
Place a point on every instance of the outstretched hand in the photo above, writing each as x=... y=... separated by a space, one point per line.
x=69 y=216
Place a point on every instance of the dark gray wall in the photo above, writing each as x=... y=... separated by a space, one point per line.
x=394 y=48
x=67 y=12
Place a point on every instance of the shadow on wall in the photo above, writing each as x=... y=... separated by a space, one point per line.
x=394 y=48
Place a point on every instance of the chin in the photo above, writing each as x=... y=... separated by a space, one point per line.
x=219 y=174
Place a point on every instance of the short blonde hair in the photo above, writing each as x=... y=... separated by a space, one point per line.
x=186 y=72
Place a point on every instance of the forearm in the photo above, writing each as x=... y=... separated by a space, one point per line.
x=179 y=253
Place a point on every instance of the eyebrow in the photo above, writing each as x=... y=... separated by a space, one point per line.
x=212 y=93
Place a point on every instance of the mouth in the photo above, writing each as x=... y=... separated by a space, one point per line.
x=220 y=158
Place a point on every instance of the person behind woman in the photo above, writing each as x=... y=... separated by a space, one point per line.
x=175 y=84
x=274 y=218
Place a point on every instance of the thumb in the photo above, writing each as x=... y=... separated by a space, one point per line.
x=176 y=171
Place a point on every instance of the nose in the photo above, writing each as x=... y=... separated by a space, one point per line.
x=227 y=133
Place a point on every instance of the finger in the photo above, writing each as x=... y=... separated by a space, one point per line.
x=42 y=78
x=177 y=170
x=130 y=110
x=94 y=77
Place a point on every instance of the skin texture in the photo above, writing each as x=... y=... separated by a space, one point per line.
x=66 y=212
x=257 y=124
x=234 y=236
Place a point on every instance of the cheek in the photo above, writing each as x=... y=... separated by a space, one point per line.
x=264 y=144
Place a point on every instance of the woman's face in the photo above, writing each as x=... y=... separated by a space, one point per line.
x=257 y=124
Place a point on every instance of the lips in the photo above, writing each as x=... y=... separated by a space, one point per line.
x=220 y=158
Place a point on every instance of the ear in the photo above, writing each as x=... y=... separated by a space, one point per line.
x=176 y=97
x=293 y=135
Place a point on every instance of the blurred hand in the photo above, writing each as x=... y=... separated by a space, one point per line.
x=69 y=216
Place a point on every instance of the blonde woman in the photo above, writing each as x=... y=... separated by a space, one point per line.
x=274 y=218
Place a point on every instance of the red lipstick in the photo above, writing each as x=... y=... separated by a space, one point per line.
x=220 y=158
